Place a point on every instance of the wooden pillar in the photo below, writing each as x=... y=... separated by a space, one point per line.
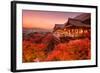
x=78 y=31
x=83 y=31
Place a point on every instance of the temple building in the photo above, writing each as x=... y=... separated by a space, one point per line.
x=79 y=26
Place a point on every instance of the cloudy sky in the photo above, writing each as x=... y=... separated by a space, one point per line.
x=45 y=19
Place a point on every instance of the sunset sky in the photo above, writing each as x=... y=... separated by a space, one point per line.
x=45 y=19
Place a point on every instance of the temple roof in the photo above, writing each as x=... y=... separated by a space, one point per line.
x=74 y=22
x=83 y=17
x=77 y=21
x=59 y=26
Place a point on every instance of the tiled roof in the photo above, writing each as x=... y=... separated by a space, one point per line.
x=83 y=17
x=60 y=26
x=74 y=22
x=77 y=21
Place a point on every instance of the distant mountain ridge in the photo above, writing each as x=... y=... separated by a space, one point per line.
x=37 y=30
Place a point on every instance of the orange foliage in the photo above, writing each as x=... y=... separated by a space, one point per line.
x=79 y=49
x=74 y=50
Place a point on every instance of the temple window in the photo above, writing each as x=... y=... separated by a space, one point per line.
x=85 y=31
x=81 y=31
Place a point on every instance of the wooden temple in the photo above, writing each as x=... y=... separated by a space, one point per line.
x=79 y=26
